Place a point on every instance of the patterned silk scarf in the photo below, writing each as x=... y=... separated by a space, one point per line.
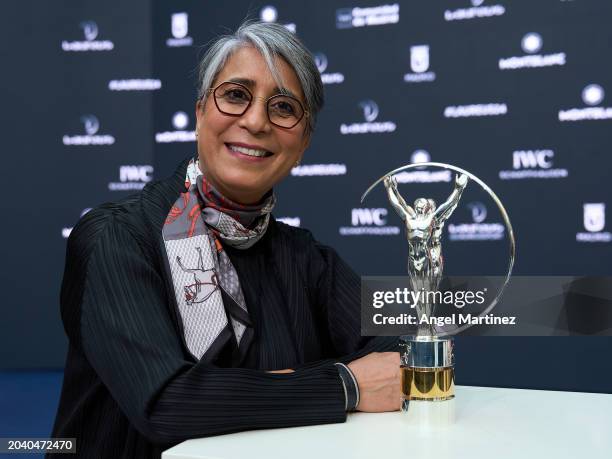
x=206 y=284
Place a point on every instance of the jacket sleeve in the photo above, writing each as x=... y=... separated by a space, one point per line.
x=127 y=336
x=338 y=295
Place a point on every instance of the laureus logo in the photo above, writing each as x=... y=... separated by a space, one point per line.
x=479 y=211
x=592 y=95
x=594 y=221
x=531 y=44
x=320 y=61
x=90 y=30
x=327 y=78
x=477 y=10
x=181 y=133
x=90 y=33
x=370 y=111
x=91 y=126
x=478 y=230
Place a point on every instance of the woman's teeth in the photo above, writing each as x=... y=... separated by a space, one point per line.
x=248 y=151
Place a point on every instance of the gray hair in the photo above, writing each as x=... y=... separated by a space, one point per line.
x=271 y=40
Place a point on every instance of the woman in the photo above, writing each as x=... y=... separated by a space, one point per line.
x=189 y=310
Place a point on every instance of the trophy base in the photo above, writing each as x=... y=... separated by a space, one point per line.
x=429 y=415
x=428 y=382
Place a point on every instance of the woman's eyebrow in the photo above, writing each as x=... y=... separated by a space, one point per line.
x=252 y=83
x=245 y=81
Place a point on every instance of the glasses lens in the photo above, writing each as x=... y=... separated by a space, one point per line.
x=232 y=98
x=285 y=111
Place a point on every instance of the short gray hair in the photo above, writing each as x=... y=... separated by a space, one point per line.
x=271 y=40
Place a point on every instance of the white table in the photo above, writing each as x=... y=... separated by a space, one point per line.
x=490 y=423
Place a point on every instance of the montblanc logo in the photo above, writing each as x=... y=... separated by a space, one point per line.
x=476 y=11
x=68 y=229
x=593 y=95
x=90 y=32
x=420 y=156
x=369 y=222
x=533 y=164
x=370 y=112
x=531 y=44
x=472 y=110
x=180 y=121
x=137 y=84
x=478 y=230
x=594 y=221
x=419 y=64
x=132 y=178
x=421 y=175
x=179 y=27
x=269 y=13
x=327 y=78
x=91 y=125
x=347 y=18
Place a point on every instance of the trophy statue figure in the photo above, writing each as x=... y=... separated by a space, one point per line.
x=427 y=354
x=424 y=225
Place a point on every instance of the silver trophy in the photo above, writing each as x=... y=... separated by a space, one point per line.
x=424 y=225
x=427 y=360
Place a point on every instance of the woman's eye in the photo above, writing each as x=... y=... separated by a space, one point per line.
x=236 y=95
x=284 y=108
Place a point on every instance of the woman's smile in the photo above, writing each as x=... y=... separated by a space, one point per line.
x=248 y=152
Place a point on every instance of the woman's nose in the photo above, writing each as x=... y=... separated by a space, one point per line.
x=255 y=119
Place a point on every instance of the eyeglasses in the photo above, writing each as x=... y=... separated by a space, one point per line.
x=234 y=99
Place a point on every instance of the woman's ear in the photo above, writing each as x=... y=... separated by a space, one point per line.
x=305 y=142
x=199 y=110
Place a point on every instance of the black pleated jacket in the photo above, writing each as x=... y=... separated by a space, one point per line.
x=132 y=389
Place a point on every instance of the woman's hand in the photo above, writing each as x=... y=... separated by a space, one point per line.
x=378 y=378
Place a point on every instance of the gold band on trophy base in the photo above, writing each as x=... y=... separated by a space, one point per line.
x=428 y=384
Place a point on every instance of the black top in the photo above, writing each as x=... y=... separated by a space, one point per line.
x=132 y=389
